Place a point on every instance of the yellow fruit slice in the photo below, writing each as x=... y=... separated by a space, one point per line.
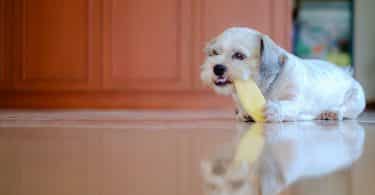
x=251 y=98
x=250 y=145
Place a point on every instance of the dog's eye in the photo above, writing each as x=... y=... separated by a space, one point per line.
x=238 y=56
x=213 y=53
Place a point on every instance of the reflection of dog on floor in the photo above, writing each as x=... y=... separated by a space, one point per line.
x=295 y=88
x=291 y=152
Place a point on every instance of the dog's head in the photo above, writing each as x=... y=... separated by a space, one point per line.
x=240 y=53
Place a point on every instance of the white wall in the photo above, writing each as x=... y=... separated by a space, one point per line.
x=364 y=29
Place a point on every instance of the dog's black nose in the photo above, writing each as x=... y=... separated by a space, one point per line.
x=219 y=69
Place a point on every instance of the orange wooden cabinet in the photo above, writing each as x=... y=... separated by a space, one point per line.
x=147 y=45
x=121 y=53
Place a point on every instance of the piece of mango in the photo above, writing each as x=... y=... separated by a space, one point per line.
x=250 y=145
x=251 y=98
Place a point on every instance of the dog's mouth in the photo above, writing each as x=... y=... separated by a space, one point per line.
x=222 y=81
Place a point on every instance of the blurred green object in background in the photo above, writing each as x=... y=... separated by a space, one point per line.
x=339 y=58
x=323 y=30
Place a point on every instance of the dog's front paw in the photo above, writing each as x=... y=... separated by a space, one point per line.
x=273 y=112
x=243 y=117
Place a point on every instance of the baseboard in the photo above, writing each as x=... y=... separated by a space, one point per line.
x=114 y=100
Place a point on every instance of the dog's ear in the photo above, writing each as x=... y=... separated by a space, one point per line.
x=271 y=54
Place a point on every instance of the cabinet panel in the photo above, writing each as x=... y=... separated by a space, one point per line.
x=55 y=47
x=146 y=44
x=217 y=15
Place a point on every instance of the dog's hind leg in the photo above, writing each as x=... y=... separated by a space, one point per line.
x=354 y=102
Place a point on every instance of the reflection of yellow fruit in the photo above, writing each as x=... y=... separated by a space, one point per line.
x=250 y=145
x=251 y=98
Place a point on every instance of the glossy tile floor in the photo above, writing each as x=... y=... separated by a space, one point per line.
x=181 y=153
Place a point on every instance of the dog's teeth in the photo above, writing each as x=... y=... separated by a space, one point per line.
x=221 y=79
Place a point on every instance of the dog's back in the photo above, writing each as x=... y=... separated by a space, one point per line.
x=325 y=81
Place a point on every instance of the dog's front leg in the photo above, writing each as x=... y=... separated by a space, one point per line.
x=241 y=115
x=283 y=110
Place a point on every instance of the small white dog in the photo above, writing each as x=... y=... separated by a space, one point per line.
x=295 y=88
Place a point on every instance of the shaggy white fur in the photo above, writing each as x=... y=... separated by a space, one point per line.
x=295 y=88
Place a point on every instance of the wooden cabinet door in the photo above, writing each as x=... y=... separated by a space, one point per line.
x=56 y=44
x=147 y=45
